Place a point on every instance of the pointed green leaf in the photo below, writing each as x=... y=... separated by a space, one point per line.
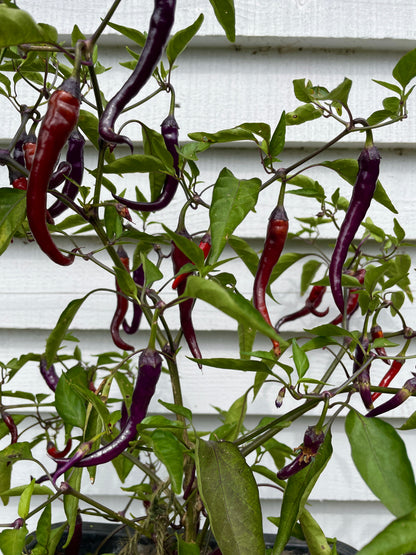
x=230 y=303
x=132 y=34
x=286 y=260
x=236 y=364
x=187 y=246
x=225 y=14
x=297 y=491
x=306 y=112
x=12 y=542
x=308 y=273
x=341 y=92
x=71 y=502
x=68 y=402
x=18 y=27
x=389 y=86
x=397 y=538
x=224 y=136
x=12 y=212
x=303 y=91
x=231 y=498
x=300 y=359
x=261 y=129
x=169 y=450
x=405 y=69
x=142 y=163
x=315 y=538
x=5 y=480
x=246 y=253
x=43 y=529
x=380 y=456
x=24 y=501
x=232 y=200
x=181 y=39
x=277 y=142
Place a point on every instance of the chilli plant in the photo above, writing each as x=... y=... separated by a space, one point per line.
x=193 y=485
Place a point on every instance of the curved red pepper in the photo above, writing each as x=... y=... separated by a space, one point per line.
x=60 y=119
x=205 y=246
x=121 y=308
x=53 y=451
x=352 y=300
x=377 y=333
x=312 y=302
x=275 y=240
x=365 y=184
x=388 y=376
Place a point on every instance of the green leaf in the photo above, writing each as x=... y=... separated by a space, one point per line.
x=398 y=231
x=300 y=359
x=5 y=480
x=71 y=502
x=12 y=211
x=88 y=123
x=43 y=528
x=225 y=14
x=151 y=271
x=341 y=92
x=178 y=409
x=389 y=86
x=16 y=452
x=12 y=542
x=348 y=169
x=315 y=538
x=229 y=302
x=380 y=456
x=308 y=273
x=277 y=142
x=187 y=246
x=231 y=498
x=68 y=402
x=306 y=112
x=397 y=538
x=378 y=116
x=297 y=491
x=169 y=450
x=185 y=548
x=246 y=337
x=224 y=136
x=285 y=261
x=180 y=40
x=232 y=200
x=258 y=128
x=134 y=163
x=112 y=222
x=133 y=34
x=236 y=364
x=303 y=91
x=24 y=501
x=18 y=27
x=245 y=253
x=405 y=69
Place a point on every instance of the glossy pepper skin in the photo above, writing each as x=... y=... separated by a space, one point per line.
x=312 y=441
x=377 y=333
x=311 y=304
x=49 y=374
x=205 y=246
x=363 y=191
x=352 y=300
x=362 y=381
x=170 y=135
x=17 y=179
x=160 y=25
x=74 y=157
x=58 y=123
x=150 y=367
x=11 y=426
x=53 y=451
x=138 y=277
x=179 y=259
x=275 y=240
x=121 y=308
x=388 y=377
x=396 y=400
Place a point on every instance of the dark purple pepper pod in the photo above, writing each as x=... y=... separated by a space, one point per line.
x=11 y=426
x=74 y=157
x=400 y=397
x=312 y=440
x=362 y=194
x=279 y=399
x=170 y=135
x=49 y=374
x=74 y=546
x=362 y=381
x=66 y=464
x=150 y=368
x=138 y=278
x=160 y=25
x=59 y=174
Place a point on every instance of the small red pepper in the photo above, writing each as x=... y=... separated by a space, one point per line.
x=53 y=451
x=20 y=183
x=29 y=149
x=377 y=333
x=121 y=308
x=205 y=246
x=275 y=240
x=60 y=119
x=388 y=377
x=312 y=302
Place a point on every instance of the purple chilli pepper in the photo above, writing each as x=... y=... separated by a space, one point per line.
x=74 y=546
x=362 y=381
x=362 y=194
x=160 y=25
x=49 y=374
x=74 y=157
x=400 y=397
x=170 y=136
x=138 y=278
x=150 y=367
x=59 y=175
x=312 y=440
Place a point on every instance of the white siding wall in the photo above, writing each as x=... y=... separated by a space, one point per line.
x=220 y=85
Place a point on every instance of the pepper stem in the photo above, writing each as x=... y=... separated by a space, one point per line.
x=369 y=138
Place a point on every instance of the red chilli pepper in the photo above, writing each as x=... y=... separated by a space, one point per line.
x=205 y=246
x=179 y=259
x=352 y=300
x=11 y=426
x=53 y=451
x=29 y=149
x=60 y=119
x=377 y=333
x=312 y=302
x=388 y=376
x=365 y=184
x=275 y=239
x=312 y=441
x=121 y=308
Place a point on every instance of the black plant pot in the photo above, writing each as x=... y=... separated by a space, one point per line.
x=94 y=534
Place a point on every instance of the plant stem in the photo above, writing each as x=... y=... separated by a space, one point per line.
x=104 y=22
